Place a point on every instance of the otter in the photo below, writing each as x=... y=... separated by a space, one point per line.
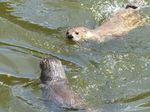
x=56 y=86
x=118 y=25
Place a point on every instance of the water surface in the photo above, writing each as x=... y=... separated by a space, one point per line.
x=110 y=76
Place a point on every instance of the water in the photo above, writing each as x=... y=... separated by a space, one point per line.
x=113 y=76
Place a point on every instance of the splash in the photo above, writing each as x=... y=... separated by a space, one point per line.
x=103 y=9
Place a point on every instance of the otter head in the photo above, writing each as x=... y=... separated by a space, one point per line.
x=78 y=33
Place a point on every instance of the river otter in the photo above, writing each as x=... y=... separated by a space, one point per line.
x=118 y=25
x=56 y=87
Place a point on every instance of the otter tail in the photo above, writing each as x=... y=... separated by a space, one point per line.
x=135 y=4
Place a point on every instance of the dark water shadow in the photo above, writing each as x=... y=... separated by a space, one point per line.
x=5 y=12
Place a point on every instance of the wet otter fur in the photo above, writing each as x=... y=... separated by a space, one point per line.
x=118 y=25
x=56 y=87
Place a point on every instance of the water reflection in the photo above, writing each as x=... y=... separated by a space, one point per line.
x=113 y=75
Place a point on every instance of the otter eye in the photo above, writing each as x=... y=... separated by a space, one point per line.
x=76 y=33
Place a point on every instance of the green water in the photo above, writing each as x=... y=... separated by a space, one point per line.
x=113 y=76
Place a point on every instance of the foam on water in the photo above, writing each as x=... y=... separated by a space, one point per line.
x=104 y=9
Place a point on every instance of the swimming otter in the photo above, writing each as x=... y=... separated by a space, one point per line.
x=56 y=87
x=118 y=25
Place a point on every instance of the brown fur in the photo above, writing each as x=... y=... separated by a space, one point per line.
x=56 y=87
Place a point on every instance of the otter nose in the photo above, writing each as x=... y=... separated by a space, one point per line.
x=69 y=36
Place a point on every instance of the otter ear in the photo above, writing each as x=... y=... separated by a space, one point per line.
x=67 y=33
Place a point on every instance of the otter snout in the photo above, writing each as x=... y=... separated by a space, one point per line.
x=69 y=37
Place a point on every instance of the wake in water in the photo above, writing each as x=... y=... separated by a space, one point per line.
x=104 y=9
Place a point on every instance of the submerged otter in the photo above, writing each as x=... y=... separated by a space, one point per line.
x=118 y=25
x=56 y=87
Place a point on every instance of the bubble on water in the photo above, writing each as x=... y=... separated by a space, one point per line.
x=1 y=83
x=75 y=77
